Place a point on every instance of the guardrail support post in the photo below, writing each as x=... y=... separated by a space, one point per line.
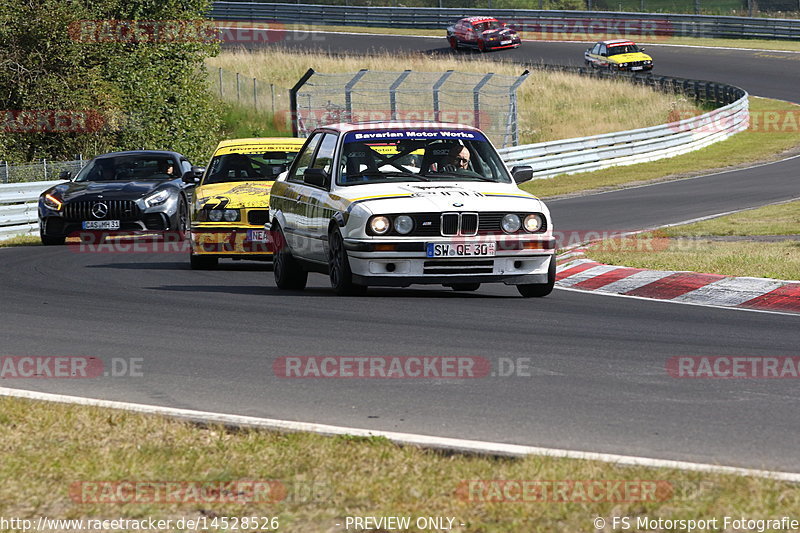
x=221 y=91
x=511 y=123
x=293 y=100
x=436 y=87
x=476 y=99
x=238 y=95
x=255 y=97
x=393 y=93
x=348 y=96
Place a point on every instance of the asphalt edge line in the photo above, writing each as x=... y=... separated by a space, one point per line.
x=425 y=441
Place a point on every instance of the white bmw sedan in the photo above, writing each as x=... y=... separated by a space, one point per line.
x=393 y=204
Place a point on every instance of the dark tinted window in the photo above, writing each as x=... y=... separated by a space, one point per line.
x=131 y=168
x=262 y=166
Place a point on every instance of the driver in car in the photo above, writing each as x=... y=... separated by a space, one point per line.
x=457 y=159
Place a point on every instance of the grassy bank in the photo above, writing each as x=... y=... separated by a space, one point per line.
x=50 y=449
x=734 y=245
x=551 y=105
x=759 y=143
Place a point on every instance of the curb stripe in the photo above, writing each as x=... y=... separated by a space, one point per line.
x=639 y=279
x=731 y=291
x=675 y=285
x=595 y=270
x=786 y=298
x=607 y=278
x=575 y=270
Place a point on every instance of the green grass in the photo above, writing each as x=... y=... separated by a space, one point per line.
x=780 y=219
x=683 y=247
x=240 y=122
x=743 y=148
x=48 y=448
x=23 y=240
x=756 y=44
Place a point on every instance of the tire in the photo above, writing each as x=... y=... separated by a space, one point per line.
x=537 y=290
x=339 y=267
x=481 y=46
x=203 y=262
x=453 y=43
x=465 y=287
x=289 y=275
x=182 y=219
x=52 y=240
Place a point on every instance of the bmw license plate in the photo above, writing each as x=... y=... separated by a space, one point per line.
x=503 y=43
x=257 y=235
x=101 y=224
x=460 y=249
x=637 y=68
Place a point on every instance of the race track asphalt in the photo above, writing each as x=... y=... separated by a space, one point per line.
x=598 y=379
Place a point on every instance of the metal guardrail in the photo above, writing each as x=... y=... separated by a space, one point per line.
x=19 y=207
x=544 y=23
x=585 y=154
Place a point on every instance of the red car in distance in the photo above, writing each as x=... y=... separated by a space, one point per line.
x=483 y=33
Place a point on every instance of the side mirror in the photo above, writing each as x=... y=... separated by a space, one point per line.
x=522 y=173
x=315 y=177
x=65 y=175
x=193 y=176
x=641 y=49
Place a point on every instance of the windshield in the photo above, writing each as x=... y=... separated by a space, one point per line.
x=130 y=168
x=623 y=49
x=430 y=155
x=488 y=25
x=261 y=166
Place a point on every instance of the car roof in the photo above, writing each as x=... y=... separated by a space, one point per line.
x=285 y=141
x=345 y=127
x=617 y=41
x=474 y=20
x=137 y=152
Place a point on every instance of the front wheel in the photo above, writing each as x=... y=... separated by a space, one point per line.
x=289 y=275
x=339 y=267
x=482 y=46
x=52 y=240
x=537 y=290
x=453 y=43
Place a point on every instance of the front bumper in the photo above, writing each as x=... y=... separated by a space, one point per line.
x=230 y=241
x=514 y=263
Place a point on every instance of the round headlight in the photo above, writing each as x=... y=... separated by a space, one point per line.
x=403 y=224
x=379 y=225
x=231 y=215
x=510 y=223
x=533 y=223
x=215 y=215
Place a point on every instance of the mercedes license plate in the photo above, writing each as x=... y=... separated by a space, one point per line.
x=101 y=224
x=460 y=249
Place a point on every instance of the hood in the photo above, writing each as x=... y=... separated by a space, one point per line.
x=239 y=194
x=630 y=58
x=440 y=197
x=110 y=190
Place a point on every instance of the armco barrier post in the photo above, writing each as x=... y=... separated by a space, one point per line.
x=293 y=99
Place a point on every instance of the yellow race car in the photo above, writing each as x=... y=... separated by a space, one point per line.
x=616 y=55
x=231 y=200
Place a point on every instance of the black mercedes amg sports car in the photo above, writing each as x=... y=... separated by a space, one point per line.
x=119 y=192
